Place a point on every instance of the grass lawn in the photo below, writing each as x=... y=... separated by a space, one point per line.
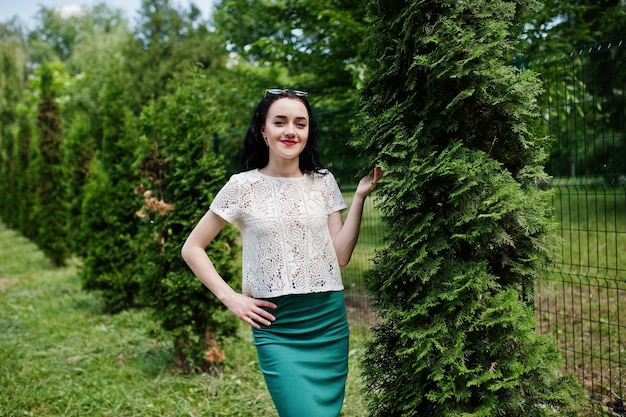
x=60 y=356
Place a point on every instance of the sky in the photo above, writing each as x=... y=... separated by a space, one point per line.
x=27 y=9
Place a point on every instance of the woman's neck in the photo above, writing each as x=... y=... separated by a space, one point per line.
x=291 y=170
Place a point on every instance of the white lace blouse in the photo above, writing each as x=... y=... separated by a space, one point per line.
x=287 y=248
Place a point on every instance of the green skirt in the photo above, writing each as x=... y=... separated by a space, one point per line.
x=304 y=354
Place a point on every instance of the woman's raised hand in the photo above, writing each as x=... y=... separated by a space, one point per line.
x=368 y=183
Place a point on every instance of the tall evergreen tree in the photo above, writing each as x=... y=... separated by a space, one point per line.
x=50 y=210
x=467 y=225
x=169 y=40
x=86 y=111
x=108 y=209
x=12 y=86
x=180 y=175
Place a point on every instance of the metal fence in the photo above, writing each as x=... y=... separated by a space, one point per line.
x=584 y=307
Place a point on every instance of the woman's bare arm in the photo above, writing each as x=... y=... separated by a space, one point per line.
x=194 y=253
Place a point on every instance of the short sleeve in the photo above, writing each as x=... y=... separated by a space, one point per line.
x=335 y=201
x=226 y=203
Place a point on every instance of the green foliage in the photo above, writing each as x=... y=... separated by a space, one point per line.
x=49 y=208
x=11 y=84
x=56 y=36
x=108 y=220
x=109 y=232
x=467 y=225
x=79 y=148
x=301 y=34
x=318 y=45
x=560 y=26
x=181 y=174
x=584 y=104
x=168 y=41
x=11 y=92
x=23 y=178
x=572 y=45
x=95 y=61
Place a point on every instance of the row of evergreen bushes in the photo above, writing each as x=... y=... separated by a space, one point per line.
x=123 y=200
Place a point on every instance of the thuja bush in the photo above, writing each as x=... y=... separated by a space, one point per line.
x=79 y=148
x=12 y=88
x=18 y=181
x=468 y=225
x=49 y=210
x=23 y=175
x=109 y=226
x=180 y=175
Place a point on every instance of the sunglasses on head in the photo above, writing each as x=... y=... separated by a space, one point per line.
x=281 y=91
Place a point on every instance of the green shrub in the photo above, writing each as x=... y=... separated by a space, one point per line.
x=109 y=225
x=12 y=88
x=110 y=266
x=79 y=148
x=181 y=174
x=49 y=209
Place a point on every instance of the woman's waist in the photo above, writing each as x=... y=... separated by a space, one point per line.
x=279 y=285
x=312 y=316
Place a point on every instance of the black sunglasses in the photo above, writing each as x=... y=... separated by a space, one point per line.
x=282 y=91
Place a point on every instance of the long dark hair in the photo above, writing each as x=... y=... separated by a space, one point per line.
x=255 y=153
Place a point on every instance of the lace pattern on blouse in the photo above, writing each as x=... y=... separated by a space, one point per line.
x=287 y=248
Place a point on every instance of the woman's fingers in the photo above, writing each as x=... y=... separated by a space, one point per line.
x=250 y=310
x=269 y=317
x=265 y=303
x=256 y=315
x=377 y=174
x=255 y=319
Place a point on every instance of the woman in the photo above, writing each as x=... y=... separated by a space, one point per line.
x=289 y=212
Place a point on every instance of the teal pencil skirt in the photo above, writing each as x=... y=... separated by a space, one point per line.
x=304 y=354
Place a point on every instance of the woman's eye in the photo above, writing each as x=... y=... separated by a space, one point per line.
x=302 y=125
x=278 y=123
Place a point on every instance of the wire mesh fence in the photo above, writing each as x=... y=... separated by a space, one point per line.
x=584 y=308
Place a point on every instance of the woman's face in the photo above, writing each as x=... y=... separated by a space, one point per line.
x=286 y=128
